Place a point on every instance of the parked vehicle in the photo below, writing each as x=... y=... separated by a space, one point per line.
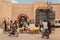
x=57 y=23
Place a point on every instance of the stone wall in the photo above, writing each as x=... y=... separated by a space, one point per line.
x=19 y=9
x=6 y=10
x=56 y=8
x=1 y=1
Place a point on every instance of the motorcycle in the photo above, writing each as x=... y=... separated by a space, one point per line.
x=14 y=32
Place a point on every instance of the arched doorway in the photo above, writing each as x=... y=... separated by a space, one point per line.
x=22 y=18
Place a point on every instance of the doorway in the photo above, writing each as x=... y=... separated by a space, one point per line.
x=22 y=19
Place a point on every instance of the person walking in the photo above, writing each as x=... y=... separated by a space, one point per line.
x=14 y=28
x=45 y=29
x=11 y=25
x=49 y=27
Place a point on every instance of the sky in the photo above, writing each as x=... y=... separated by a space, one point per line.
x=31 y=1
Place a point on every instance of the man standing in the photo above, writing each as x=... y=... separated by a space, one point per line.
x=5 y=25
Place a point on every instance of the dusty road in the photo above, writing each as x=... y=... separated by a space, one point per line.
x=54 y=36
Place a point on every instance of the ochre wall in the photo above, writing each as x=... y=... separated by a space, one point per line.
x=7 y=10
x=23 y=9
x=56 y=8
x=12 y=11
x=1 y=1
